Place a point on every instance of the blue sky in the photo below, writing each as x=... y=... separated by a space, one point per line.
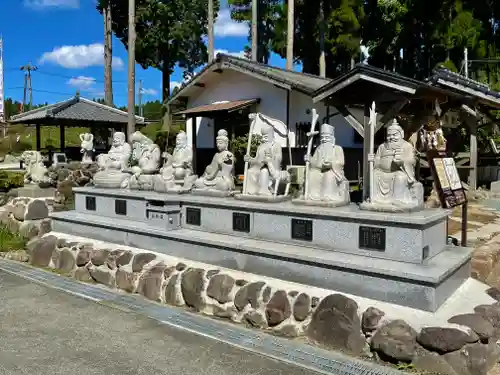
x=64 y=39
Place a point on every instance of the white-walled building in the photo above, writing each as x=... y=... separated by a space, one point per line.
x=223 y=94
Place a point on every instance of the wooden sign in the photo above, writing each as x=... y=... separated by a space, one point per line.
x=447 y=180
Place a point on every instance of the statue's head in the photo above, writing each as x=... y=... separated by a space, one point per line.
x=267 y=132
x=87 y=137
x=327 y=134
x=395 y=133
x=222 y=140
x=118 y=139
x=140 y=139
x=181 y=139
x=31 y=157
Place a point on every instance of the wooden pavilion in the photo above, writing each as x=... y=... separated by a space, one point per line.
x=75 y=112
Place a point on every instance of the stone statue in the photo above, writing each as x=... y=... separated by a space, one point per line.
x=146 y=157
x=36 y=171
x=395 y=188
x=176 y=175
x=112 y=165
x=264 y=175
x=87 y=147
x=218 y=178
x=327 y=183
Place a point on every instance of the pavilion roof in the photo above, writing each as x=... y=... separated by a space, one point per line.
x=74 y=110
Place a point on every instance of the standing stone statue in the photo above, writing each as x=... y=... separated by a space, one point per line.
x=264 y=175
x=327 y=183
x=112 y=165
x=395 y=188
x=87 y=147
x=218 y=178
x=176 y=175
x=146 y=157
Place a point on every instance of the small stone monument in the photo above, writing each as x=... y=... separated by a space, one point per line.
x=112 y=165
x=218 y=179
x=393 y=186
x=263 y=173
x=146 y=157
x=326 y=183
x=87 y=147
x=59 y=159
x=176 y=175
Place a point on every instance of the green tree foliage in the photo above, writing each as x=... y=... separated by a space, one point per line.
x=169 y=33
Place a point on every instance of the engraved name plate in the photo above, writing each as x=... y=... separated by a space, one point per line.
x=90 y=204
x=371 y=238
x=241 y=222
x=302 y=229
x=193 y=216
x=120 y=207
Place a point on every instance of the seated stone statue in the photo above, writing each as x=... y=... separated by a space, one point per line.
x=36 y=171
x=146 y=156
x=326 y=182
x=395 y=188
x=177 y=174
x=112 y=165
x=264 y=174
x=218 y=177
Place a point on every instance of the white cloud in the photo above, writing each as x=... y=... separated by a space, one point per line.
x=226 y=27
x=77 y=57
x=151 y=92
x=42 y=4
x=82 y=82
x=174 y=84
x=226 y=52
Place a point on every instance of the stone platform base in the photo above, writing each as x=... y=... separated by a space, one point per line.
x=263 y=198
x=318 y=203
x=34 y=191
x=421 y=286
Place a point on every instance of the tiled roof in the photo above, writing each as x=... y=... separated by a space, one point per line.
x=75 y=109
x=223 y=106
x=306 y=83
x=462 y=83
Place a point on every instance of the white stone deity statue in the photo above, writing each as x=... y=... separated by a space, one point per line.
x=264 y=174
x=218 y=178
x=395 y=188
x=112 y=165
x=36 y=172
x=327 y=183
x=146 y=157
x=176 y=175
x=87 y=147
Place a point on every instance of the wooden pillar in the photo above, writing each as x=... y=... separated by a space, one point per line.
x=366 y=151
x=62 y=137
x=472 y=122
x=194 y=131
x=38 y=135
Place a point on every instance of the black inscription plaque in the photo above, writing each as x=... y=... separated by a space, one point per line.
x=241 y=222
x=120 y=207
x=90 y=203
x=193 y=216
x=371 y=238
x=61 y=158
x=302 y=229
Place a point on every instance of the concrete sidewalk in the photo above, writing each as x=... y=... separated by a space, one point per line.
x=47 y=332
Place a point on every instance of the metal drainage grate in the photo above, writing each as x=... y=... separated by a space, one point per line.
x=285 y=350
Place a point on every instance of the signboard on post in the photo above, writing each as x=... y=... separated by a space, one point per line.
x=448 y=184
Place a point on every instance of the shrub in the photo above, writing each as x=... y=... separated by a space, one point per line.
x=11 y=241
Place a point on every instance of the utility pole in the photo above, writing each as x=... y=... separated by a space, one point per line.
x=140 y=97
x=290 y=34
x=131 y=69
x=27 y=69
x=255 y=19
x=108 y=55
x=211 y=50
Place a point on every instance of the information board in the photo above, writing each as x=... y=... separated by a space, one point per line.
x=450 y=189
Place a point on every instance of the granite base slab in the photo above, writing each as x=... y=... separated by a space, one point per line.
x=422 y=286
x=34 y=191
x=410 y=237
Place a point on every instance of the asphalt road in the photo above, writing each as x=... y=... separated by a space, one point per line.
x=47 y=332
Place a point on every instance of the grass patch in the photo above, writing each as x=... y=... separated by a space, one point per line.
x=11 y=241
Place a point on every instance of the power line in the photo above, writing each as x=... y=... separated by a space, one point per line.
x=50 y=92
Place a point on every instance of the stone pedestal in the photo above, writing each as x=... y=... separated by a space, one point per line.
x=34 y=191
